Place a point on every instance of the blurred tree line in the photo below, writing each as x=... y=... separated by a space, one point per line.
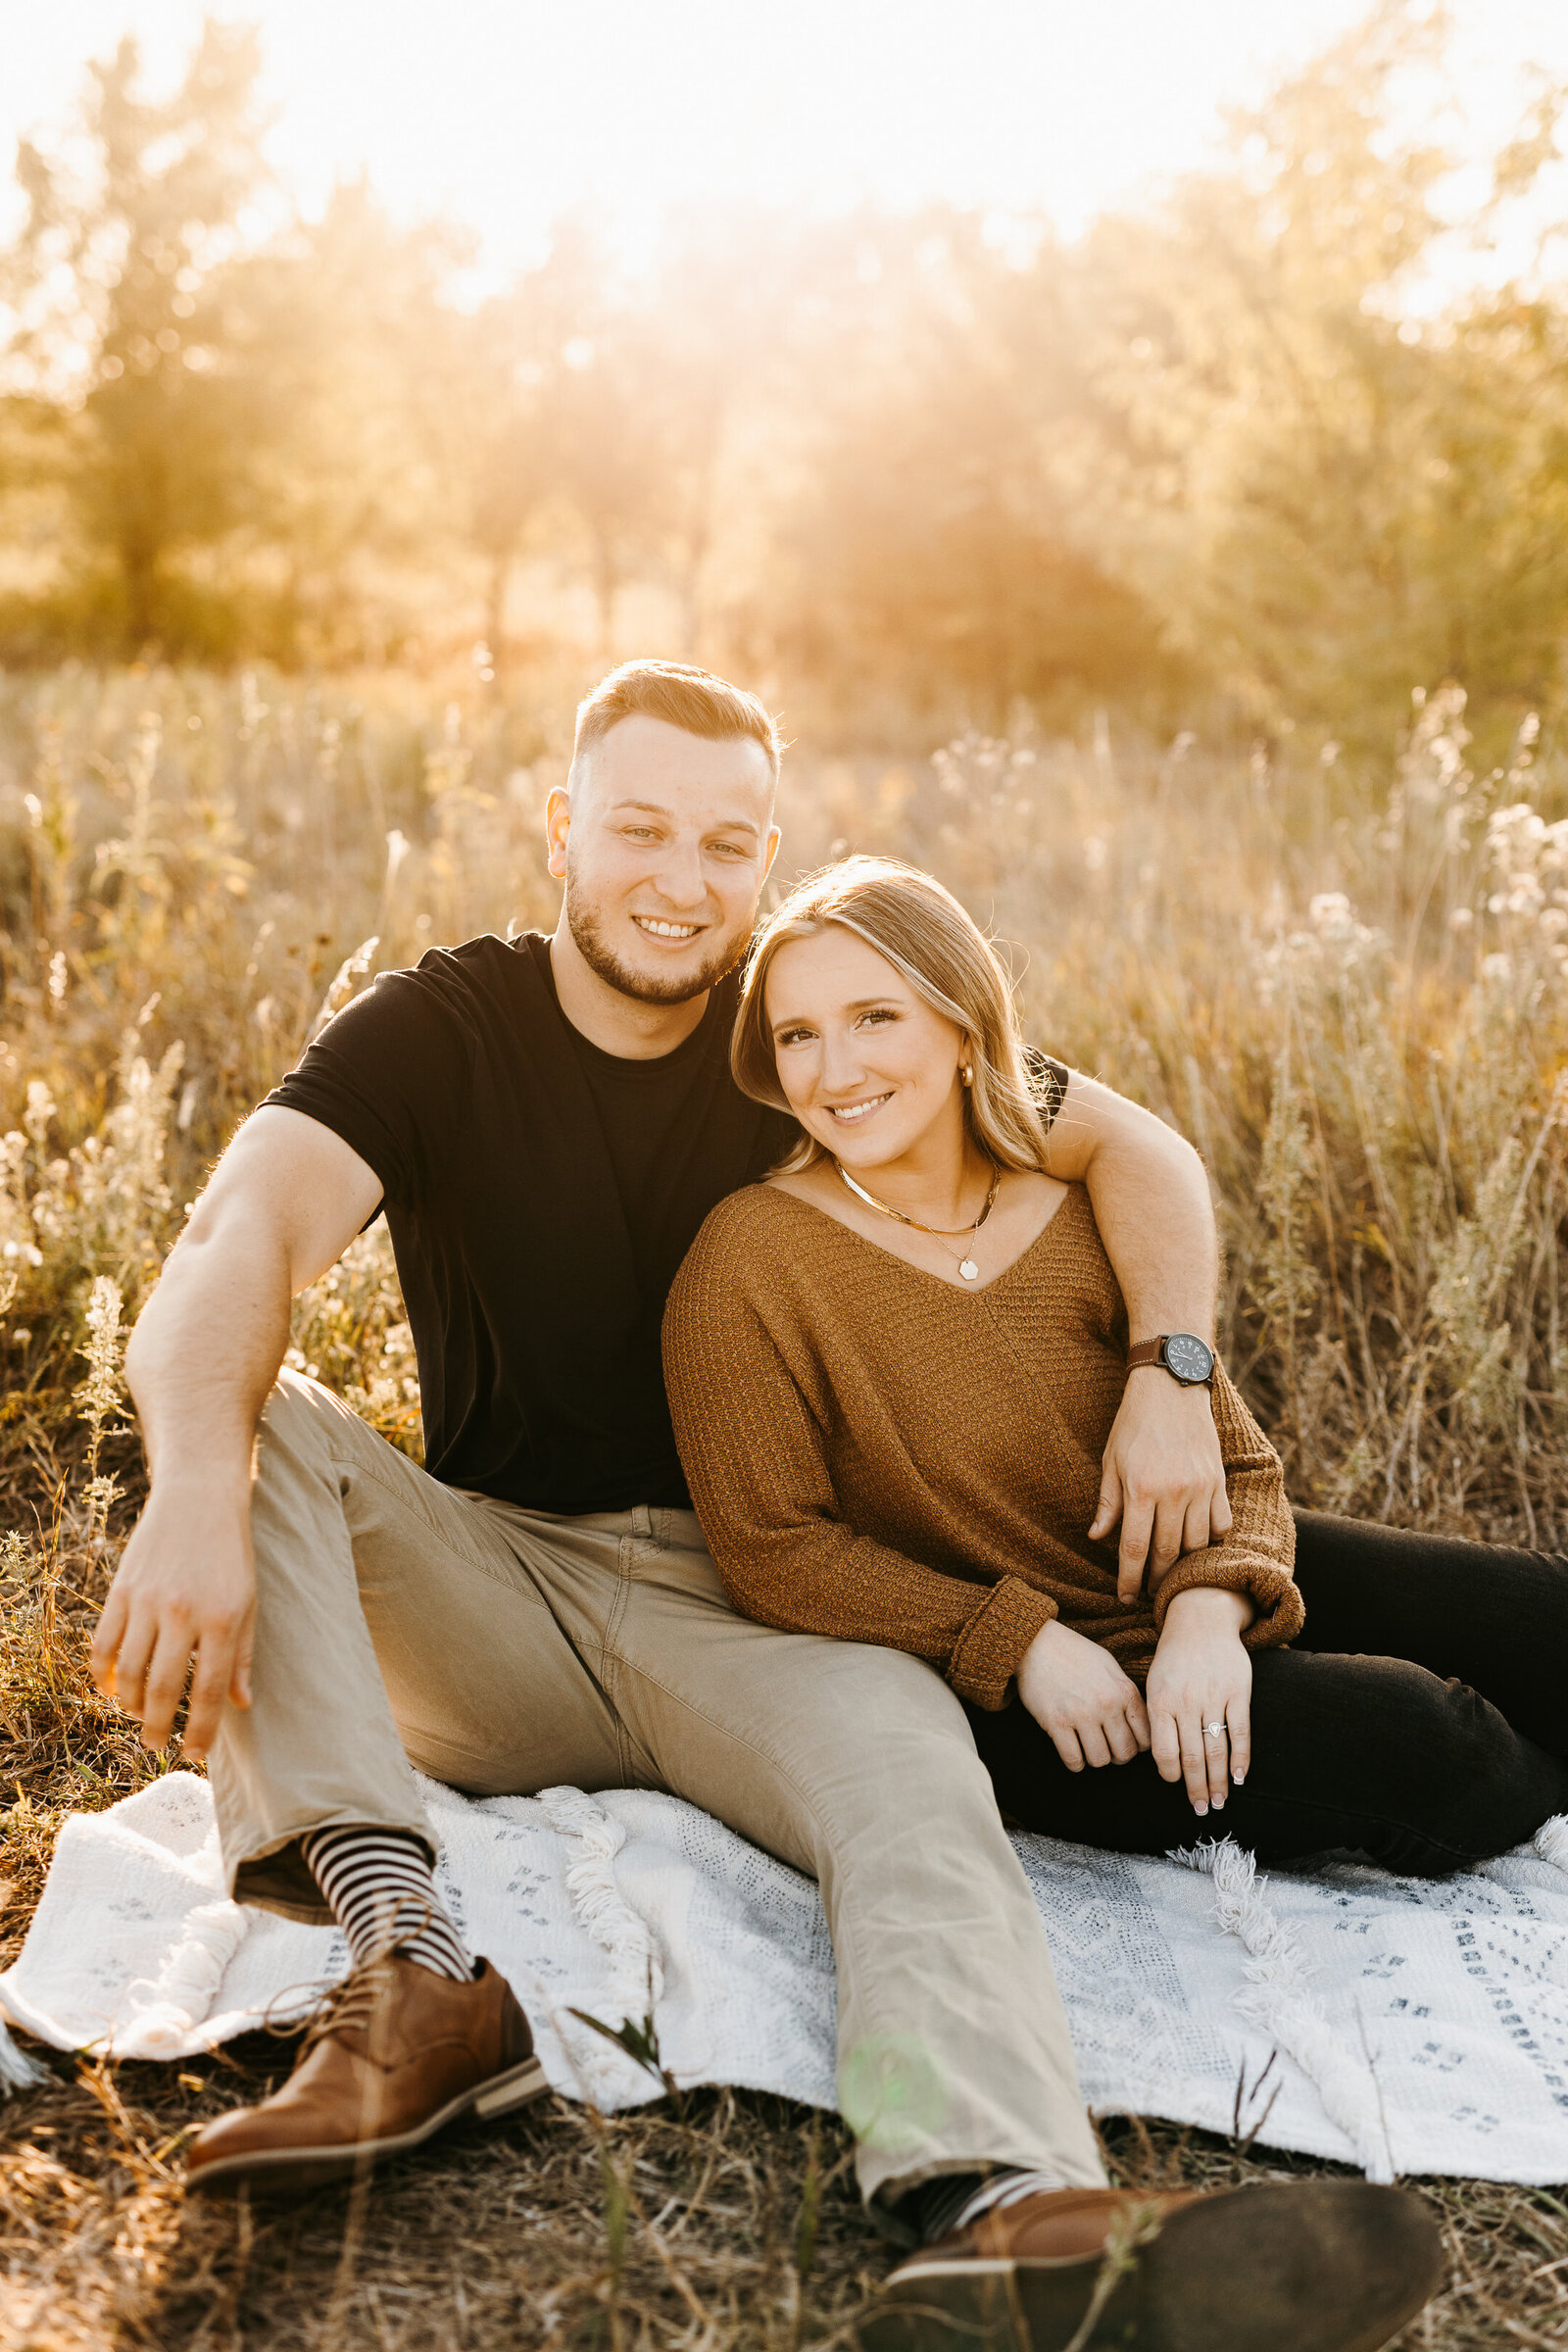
x=932 y=466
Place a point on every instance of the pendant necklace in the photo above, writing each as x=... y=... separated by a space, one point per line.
x=946 y=1232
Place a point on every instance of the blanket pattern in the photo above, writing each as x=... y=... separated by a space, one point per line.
x=1399 y=2025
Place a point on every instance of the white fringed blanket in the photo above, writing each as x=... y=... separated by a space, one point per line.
x=1416 y=2028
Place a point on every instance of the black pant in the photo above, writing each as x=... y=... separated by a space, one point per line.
x=1422 y=1721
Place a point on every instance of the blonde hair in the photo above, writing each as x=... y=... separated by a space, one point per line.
x=694 y=700
x=924 y=933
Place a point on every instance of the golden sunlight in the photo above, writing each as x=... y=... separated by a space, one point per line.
x=503 y=116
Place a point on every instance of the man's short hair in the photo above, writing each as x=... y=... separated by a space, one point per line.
x=682 y=697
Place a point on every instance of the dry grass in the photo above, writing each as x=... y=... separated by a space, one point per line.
x=1355 y=1003
x=732 y=2223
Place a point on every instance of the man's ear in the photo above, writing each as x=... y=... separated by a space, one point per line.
x=558 y=821
x=774 y=837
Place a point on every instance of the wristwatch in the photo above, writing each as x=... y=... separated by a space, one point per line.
x=1183 y=1356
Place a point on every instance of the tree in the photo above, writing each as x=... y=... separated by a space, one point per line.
x=501 y=418
x=166 y=428
x=341 y=331
x=1335 y=501
x=604 y=433
x=936 y=539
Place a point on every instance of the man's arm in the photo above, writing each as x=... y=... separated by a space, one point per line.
x=284 y=1204
x=1163 y=1477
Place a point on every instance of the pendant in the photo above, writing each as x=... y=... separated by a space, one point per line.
x=967 y=1269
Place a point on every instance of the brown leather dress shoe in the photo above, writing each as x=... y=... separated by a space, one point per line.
x=1310 y=2266
x=395 y=2052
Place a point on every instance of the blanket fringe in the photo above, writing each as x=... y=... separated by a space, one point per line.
x=637 y=1975
x=18 y=2072
x=596 y=1899
x=164 y=2009
x=1281 y=2003
x=1551 y=1841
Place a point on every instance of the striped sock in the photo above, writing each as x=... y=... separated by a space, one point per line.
x=955 y=2199
x=381 y=1890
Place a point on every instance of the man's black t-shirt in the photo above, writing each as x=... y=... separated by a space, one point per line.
x=541 y=1194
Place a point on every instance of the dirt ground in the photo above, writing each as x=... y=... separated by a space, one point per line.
x=723 y=2221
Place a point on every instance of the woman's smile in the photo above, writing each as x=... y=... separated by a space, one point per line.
x=849 y=1113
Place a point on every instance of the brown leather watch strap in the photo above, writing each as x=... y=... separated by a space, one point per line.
x=1188 y=1359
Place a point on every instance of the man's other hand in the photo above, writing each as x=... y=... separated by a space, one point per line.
x=1163 y=1479
x=186 y=1588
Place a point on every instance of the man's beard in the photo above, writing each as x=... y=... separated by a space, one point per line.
x=597 y=953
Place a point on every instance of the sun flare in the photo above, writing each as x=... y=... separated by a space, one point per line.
x=503 y=116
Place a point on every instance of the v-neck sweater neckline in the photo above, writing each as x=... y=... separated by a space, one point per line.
x=963 y=1289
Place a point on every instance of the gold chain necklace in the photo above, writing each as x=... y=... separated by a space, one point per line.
x=944 y=1233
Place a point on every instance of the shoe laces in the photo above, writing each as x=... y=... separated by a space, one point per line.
x=352 y=2003
x=342 y=2003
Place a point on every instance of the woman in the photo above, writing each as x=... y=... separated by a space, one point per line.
x=893 y=1369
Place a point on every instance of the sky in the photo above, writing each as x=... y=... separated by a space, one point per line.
x=503 y=113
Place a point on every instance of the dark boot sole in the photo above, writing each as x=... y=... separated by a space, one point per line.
x=1315 y=2266
x=284 y=2172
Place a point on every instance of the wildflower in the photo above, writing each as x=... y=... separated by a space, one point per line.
x=100 y=1395
x=40 y=1112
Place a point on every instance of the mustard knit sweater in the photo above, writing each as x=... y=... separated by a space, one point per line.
x=877 y=1455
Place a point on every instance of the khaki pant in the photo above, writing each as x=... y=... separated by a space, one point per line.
x=505 y=1651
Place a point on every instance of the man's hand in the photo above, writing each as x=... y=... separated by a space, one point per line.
x=1077 y=1692
x=1202 y=1674
x=285 y=1201
x=1162 y=1477
x=185 y=1586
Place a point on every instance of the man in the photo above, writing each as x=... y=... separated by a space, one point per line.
x=546 y=1122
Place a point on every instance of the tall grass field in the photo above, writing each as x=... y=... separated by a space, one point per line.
x=1346 y=980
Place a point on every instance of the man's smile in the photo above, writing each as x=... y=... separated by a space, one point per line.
x=656 y=928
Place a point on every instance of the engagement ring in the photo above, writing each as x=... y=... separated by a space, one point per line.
x=1213 y=1730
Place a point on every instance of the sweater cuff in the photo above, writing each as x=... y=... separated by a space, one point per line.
x=1281 y=1613
x=990 y=1649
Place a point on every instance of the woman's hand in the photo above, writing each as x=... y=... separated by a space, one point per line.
x=1201 y=1674
x=1077 y=1692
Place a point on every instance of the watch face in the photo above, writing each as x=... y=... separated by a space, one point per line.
x=1187 y=1357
